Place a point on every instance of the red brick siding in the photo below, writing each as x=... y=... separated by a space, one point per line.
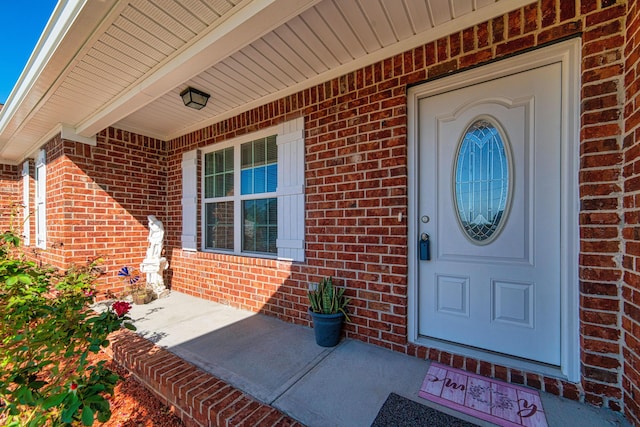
x=10 y=198
x=356 y=180
x=631 y=233
x=600 y=271
x=99 y=198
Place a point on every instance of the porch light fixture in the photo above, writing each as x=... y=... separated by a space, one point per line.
x=194 y=98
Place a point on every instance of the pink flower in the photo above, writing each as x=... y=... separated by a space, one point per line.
x=121 y=308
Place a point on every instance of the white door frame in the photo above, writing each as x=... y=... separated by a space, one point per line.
x=568 y=54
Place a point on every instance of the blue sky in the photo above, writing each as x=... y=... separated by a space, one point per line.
x=21 y=23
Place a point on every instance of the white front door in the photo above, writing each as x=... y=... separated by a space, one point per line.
x=488 y=199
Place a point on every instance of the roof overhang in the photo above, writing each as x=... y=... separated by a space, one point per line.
x=123 y=63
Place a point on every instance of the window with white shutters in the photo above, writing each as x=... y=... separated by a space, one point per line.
x=252 y=194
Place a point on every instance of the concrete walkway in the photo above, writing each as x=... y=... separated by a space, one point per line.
x=279 y=364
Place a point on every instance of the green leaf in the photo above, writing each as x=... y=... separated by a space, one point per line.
x=25 y=279
x=36 y=385
x=70 y=411
x=54 y=400
x=87 y=416
x=95 y=398
x=103 y=416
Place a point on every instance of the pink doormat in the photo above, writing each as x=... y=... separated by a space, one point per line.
x=492 y=400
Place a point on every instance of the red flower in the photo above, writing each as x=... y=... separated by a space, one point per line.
x=73 y=386
x=121 y=308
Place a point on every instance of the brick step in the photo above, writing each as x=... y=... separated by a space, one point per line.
x=198 y=398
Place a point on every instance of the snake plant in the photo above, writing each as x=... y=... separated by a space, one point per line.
x=328 y=299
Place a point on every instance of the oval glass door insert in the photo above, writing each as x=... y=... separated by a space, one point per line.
x=482 y=181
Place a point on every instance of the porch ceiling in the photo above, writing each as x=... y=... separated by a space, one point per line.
x=123 y=63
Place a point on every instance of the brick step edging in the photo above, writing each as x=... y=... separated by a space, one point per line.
x=199 y=398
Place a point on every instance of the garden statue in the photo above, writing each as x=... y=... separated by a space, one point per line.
x=154 y=263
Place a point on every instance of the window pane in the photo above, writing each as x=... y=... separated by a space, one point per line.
x=272 y=178
x=209 y=186
x=272 y=150
x=228 y=184
x=218 y=175
x=260 y=224
x=259 y=152
x=247 y=155
x=482 y=181
x=260 y=157
x=259 y=180
x=208 y=163
x=246 y=181
x=219 y=226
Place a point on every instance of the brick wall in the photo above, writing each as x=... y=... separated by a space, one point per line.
x=99 y=198
x=10 y=194
x=600 y=194
x=631 y=232
x=356 y=180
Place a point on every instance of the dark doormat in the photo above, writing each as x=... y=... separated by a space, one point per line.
x=398 y=411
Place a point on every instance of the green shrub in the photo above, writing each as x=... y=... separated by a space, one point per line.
x=47 y=331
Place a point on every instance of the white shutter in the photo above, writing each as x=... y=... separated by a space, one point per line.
x=290 y=190
x=189 y=200
x=41 y=200
x=26 y=228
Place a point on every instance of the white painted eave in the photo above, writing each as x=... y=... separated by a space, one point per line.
x=253 y=20
x=76 y=27
x=466 y=21
x=63 y=36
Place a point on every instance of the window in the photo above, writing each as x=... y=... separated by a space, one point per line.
x=245 y=219
x=252 y=194
x=482 y=181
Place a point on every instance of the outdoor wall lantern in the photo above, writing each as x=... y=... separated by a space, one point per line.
x=194 y=98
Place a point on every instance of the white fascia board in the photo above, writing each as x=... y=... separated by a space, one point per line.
x=252 y=20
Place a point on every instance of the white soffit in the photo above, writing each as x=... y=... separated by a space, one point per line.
x=328 y=40
x=123 y=63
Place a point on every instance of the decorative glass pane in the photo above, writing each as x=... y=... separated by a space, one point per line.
x=482 y=181
x=259 y=166
x=260 y=220
x=218 y=173
x=219 y=225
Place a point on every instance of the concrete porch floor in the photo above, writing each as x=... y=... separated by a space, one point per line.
x=279 y=364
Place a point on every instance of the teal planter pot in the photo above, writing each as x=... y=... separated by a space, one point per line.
x=327 y=328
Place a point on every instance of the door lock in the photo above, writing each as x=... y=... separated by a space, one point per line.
x=424 y=247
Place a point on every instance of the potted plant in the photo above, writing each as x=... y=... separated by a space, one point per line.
x=328 y=311
x=136 y=285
